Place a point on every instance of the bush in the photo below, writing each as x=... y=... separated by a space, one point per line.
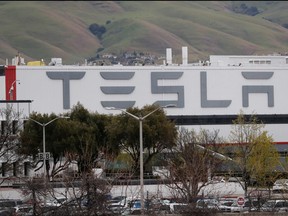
x=97 y=30
x=285 y=25
x=244 y=9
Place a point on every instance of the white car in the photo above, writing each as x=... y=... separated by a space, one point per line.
x=275 y=206
x=240 y=208
x=225 y=206
x=58 y=201
x=177 y=207
x=207 y=203
x=280 y=185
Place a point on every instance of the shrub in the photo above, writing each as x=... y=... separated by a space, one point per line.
x=97 y=30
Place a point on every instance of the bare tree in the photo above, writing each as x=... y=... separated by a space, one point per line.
x=34 y=190
x=11 y=161
x=190 y=163
x=84 y=193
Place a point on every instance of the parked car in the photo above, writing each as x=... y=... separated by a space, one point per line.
x=253 y=205
x=126 y=205
x=280 y=185
x=176 y=208
x=9 y=203
x=135 y=204
x=235 y=179
x=225 y=206
x=55 y=202
x=241 y=208
x=275 y=206
x=117 y=200
x=4 y=212
x=207 y=203
x=217 y=179
x=23 y=210
x=119 y=205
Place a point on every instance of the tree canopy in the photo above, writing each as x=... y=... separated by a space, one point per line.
x=81 y=138
x=263 y=159
x=159 y=133
x=253 y=148
x=87 y=135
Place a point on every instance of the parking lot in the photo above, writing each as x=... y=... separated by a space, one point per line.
x=228 y=206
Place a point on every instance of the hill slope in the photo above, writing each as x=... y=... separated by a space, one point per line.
x=47 y=29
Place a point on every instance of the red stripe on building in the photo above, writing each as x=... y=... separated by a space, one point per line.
x=281 y=143
x=10 y=82
x=239 y=144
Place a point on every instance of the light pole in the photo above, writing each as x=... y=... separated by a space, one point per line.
x=214 y=154
x=12 y=89
x=9 y=106
x=44 y=147
x=140 y=119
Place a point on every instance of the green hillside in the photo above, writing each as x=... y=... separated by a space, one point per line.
x=47 y=29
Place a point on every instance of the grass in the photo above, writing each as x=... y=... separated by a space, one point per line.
x=60 y=29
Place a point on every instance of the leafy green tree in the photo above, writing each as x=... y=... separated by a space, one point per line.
x=31 y=138
x=159 y=133
x=97 y=30
x=253 y=149
x=87 y=138
x=81 y=139
x=263 y=159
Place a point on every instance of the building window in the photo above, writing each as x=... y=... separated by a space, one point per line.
x=15 y=169
x=3 y=127
x=24 y=124
x=26 y=168
x=14 y=127
x=3 y=169
x=261 y=61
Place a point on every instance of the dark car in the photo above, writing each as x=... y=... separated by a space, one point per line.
x=5 y=212
x=7 y=205
x=10 y=203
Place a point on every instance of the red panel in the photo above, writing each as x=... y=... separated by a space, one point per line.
x=281 y=143
x=10 y=79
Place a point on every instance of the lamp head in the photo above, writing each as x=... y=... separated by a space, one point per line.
x=169 y=106
x=110 y=108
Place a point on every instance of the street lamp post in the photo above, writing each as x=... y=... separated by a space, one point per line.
x=12 y=89
x=9 y=106
x=214 y=154
x=141 y=119
x=44 y=147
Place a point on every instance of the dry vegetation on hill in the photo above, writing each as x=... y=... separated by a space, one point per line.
x=45 y=29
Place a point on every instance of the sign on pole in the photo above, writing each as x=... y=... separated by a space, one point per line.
x=240 y=201
x=47 y=154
